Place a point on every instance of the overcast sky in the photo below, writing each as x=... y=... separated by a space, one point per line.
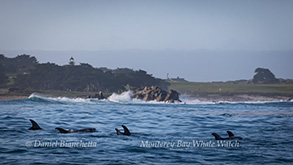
x=201 y=40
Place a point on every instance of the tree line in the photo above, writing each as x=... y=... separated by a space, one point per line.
x=26 y=72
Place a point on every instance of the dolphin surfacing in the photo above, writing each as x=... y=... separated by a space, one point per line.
x=35 y=126
x=126 y=131
x=61 y=130
x=231 y=136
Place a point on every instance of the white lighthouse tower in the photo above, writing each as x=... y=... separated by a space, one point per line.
x=71 y=61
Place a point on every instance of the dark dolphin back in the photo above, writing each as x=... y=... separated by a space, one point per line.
x=35 y=126
x=126 y=131
x=118 y=131
x=230 y=134
x=86 y=130
x=62 y=130
x=217 y=137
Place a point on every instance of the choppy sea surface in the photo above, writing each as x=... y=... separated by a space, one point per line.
x=161 y=133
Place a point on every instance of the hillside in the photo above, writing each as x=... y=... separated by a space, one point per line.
x=230 y=92
x=24 y=71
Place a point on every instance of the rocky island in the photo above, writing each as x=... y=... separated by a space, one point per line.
x=156 y=93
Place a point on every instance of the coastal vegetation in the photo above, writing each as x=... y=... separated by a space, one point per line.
x=196 y=88
x=23 y=75
x=263 y=86
x=25 y=71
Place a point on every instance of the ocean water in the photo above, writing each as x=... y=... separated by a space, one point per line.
x=161 y=133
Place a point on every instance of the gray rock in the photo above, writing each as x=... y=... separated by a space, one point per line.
x=156 y=93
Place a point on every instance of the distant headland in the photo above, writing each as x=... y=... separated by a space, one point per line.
x=23 y=75
x=264 y=86
x=25 y=71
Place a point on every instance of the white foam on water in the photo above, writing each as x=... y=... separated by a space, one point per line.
x=192 y=100
x=125 y=97
x=195 y=101
x=60 y=99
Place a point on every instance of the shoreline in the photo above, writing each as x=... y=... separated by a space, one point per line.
x=10 y=98
x=209 y=97
x=238 y=98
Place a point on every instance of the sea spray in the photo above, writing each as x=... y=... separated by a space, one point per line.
x=124 y=97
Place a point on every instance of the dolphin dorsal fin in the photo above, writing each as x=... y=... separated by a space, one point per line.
x=230 y=134
x=35 y=126
x=118 y=131
x=62 y=130
x=217 y=137
x=126 y=131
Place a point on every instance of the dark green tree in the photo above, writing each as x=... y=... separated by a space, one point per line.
x=264 y=76
x=3 y=77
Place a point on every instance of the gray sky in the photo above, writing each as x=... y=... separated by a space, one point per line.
x=201 y=40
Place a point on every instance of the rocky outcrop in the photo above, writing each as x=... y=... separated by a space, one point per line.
x=98 y=96
x=156 y=93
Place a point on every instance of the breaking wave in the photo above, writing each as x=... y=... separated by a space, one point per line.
x=126 y=98
x=44 y=98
